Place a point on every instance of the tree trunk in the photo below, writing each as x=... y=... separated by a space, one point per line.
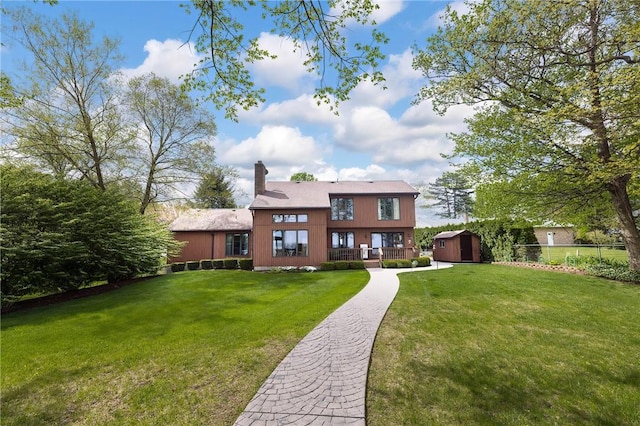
x=628 y=228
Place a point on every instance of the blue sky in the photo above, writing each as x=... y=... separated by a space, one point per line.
x=379 y=134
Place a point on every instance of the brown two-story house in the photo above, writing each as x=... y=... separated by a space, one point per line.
x=307 y=223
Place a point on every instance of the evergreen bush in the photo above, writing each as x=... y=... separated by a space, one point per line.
x=230 y=263
x=177 y=267
x=206 y=264
x=356 y=264
x=193 y=265
x=341 y=264
x=218 y=264
x=246 y=264
x=327 y=266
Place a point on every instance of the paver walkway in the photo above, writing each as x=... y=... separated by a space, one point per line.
x=322 y=381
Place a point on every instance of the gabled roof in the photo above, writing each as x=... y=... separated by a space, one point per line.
x=213 y=220
x=449 y=234
x=317 y=194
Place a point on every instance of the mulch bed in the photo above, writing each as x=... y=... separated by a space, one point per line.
x=557 y=268
x=69 y=295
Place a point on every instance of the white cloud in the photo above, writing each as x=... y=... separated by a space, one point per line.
x=169 y=59
x=303 y=109
x=275 y=146
x=387 y=10
x=287 y=69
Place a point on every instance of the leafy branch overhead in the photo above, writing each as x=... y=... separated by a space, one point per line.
x=317 y=30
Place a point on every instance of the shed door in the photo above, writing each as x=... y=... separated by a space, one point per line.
x=466 y=248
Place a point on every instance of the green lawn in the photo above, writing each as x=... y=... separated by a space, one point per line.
x=491 y=344
x=183 y=349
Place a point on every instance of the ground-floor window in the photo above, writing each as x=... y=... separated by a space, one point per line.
x=387 y=239
x=237 y=244
x=290 y=242
x=342 y=240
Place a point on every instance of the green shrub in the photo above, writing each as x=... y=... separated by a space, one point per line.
x=389 y=263
x=342 y=264
x=618 y=272
x=404 y=263
x=327 y=266
x=206 y=264
x=421 y=261
x=230 y=263
x=246 y=264
x=177 y=267
x=193 y=265
x=356 y=264
x=218 y=264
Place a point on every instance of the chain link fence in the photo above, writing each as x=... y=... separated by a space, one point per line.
x=569 y=255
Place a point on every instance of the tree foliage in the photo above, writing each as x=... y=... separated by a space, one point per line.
x=175 y=135
x=452 y=194
x=317 y=29
x=302 y=177
x=59 y=235
x=68 y=120
x=556 y=86
x=215 y=190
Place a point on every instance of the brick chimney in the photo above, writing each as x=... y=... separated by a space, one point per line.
x=260 y=178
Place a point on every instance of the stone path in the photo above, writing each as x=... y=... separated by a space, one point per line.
x=322 y=381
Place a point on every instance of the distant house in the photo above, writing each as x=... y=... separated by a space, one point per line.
x=213 y=234
x=307 y=223
x=456 y=246
x=552 y=234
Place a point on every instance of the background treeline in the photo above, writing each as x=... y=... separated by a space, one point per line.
x=497 y=237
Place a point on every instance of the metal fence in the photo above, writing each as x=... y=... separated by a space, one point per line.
x=560 y=254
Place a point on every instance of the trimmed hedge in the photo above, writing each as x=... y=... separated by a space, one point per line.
x=246 y=264
x=218 y=264
x=341 y=265
x=422 y=261
x=230 y=263
x=193 y=265
x=206 y=264
x=327 y=266
x=404 y=263
x=177 y=267
x=356 y=264
x=389 y=263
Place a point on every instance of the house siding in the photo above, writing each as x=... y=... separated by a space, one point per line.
x=263 y=227
x=205 y=245
x=561 y=235
x=365 y=212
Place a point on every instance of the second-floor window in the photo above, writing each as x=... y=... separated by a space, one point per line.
x=389 y=208
x=342 y=209
x=289 y=218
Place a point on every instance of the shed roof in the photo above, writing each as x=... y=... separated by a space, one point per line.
x=213 y=220
x=450 y=234
x=317 y=194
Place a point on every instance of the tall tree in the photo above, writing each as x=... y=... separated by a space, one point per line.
x=452 y=195
x=215 y=190
x=316 y=28
x=174 y=133
x=68 y=120
x=302 y=177
x=557 y=91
